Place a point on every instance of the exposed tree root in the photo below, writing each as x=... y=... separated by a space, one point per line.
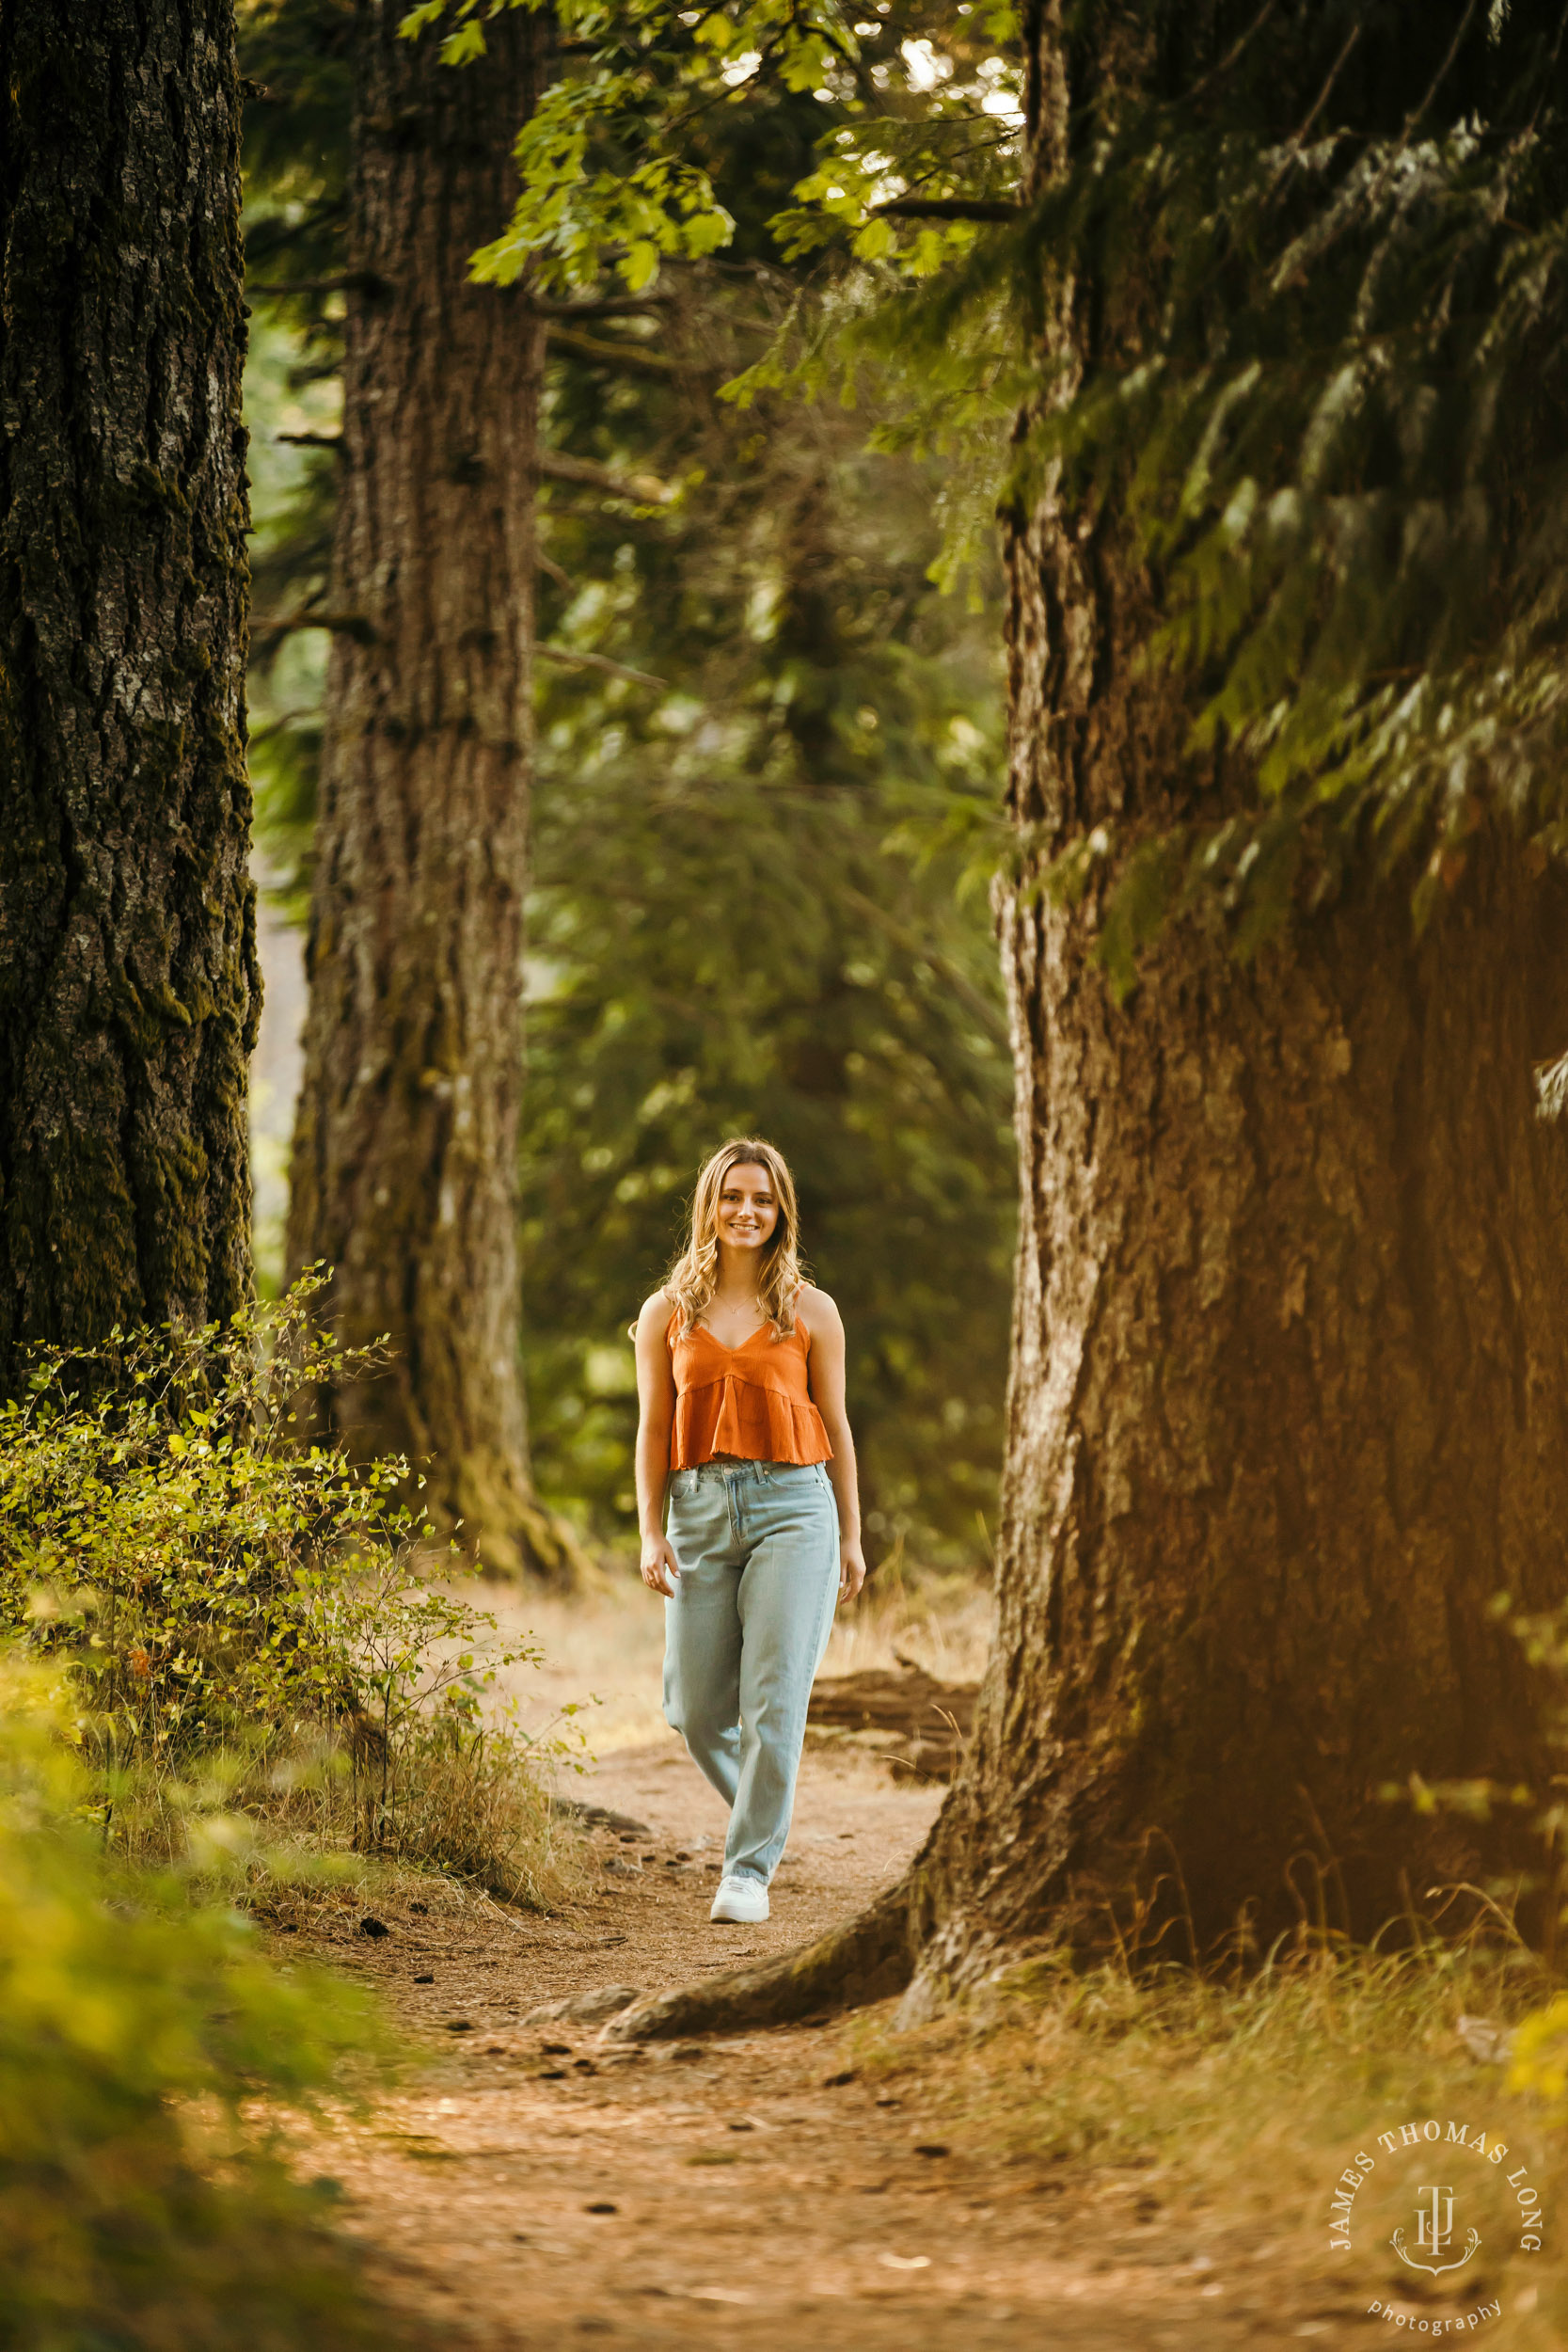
x=867 y=1959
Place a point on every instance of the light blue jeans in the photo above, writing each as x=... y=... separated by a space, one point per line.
x=758 y=1543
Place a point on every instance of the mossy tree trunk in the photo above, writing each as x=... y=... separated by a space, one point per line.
x=1289 y=1394
x=129 y=985
x=403 y=1175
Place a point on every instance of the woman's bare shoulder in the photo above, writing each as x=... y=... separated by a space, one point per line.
x=817 y=1311
x=654 y=1313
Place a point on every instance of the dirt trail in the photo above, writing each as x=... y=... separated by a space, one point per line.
x=757 y=2190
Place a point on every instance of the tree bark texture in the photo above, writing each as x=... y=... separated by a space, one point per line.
x=129 y=985
x=403 y=1175
x=1288 y=1395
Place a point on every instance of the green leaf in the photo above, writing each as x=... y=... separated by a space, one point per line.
x=640 y=266
x=464 y=45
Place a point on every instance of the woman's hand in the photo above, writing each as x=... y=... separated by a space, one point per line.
x=851 y=1567
x=660 y=1566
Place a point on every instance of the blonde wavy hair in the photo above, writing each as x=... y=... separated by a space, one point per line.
x=694 y=1277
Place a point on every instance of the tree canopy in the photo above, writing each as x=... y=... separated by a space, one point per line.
x=1320 y=387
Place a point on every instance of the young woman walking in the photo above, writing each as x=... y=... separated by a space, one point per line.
x=740 y=1384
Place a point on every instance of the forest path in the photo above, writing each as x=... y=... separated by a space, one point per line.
x=762 y=2190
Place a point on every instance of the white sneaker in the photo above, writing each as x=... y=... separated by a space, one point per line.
x=743 y=1901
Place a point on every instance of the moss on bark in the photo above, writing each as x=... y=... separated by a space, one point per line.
x=129 y=984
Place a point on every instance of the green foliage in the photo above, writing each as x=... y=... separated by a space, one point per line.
x=901 y=128
x=1297 y=307
x=612 y=163
x=654 y=206
x=749 y=916
x=1330 y=413
x=435 y=1777
x=607 y=171
x=164 y=1526
x=1539 y=2061
x=137 y=2209
x=754 y=904
x=748 y=904
x=242 y=1613
x=1283 y=311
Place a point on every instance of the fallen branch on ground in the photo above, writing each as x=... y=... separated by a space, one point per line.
x=927 y=1722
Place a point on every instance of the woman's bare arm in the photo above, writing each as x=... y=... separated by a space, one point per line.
x=656 y=1412
x=825 y=1378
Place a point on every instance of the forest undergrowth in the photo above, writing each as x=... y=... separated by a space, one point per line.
x=265 y=1651
x=243 y=1686
x=228 y=1677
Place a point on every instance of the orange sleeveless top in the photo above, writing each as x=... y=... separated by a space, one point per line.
x=751 y=1400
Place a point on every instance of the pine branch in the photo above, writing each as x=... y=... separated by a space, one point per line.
x=641 y=488
x=310 y=440
x=599 y=662
x=1324 y=95
x=356 y=625
x=1233 y=54
x=366 y=281
x=946 y=208
x=628 y=355
x=1419 y=113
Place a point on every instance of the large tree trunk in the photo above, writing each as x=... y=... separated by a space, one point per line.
x=1289 y=1407
x=1289 y=1397
x=129 y=987
x=403 y=1173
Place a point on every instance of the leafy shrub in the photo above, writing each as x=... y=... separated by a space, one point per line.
x=243 y=1615
x=137 y=2208
x=157 y=1511
x=430 y=1779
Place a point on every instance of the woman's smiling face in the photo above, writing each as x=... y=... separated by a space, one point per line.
x=747 y=1206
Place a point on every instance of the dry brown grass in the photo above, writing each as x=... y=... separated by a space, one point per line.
x=1235 y=2110
x=297 y=1825
x=940 y=1621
